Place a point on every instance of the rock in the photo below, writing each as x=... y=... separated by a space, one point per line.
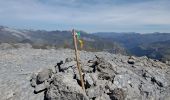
x=10 y=95
x=65 y=66
x=87 y=69
x=147 y=91
x=33 y=80
x=64 y=87
x=22 y=45
x=167 y=62
x=41 y=87
x=160 y=84
x=106 y=76
x=94 y=77
x=132 y=57
x=44 y=75
x=105 y=69
x=58 y=66
x=68 y=60
x=108 y=79
x=131 y=61
x=117 y=94
x=88 y=80
x=94 y=92
x=103 y=97
x=5 y=46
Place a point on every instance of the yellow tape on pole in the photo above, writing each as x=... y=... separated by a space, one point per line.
x=81 y=43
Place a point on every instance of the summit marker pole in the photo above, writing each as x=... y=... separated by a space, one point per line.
x=77 y=58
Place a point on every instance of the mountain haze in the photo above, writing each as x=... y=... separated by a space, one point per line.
x=57 y=39
x=154 y=45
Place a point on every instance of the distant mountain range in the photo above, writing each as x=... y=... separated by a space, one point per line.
x=153 y=45
x=58 y=39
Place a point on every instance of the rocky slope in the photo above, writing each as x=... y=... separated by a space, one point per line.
x=35 y=74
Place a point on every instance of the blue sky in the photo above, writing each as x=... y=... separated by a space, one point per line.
x=89 y=15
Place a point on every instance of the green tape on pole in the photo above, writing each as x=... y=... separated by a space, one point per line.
x=78 y=35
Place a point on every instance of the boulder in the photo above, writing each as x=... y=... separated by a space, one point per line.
x=44 y=75
x=41 y=87
x=33 y=80
x=67 y=65
x=58 y=66
x=131 y=61
x=64 y=87
x=88 y=80
x=87 y=69
x=117 y=94
x=105 y=69
x=68 y=60
x=94 y=92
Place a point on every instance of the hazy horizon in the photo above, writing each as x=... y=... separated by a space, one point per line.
x=121 y=32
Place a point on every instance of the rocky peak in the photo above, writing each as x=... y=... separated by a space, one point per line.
x=108 y=77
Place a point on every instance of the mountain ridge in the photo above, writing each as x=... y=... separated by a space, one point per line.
x=128 y=43
x=58 y=39
x=141 y=44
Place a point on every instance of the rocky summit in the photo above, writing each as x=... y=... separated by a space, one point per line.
x=36 y=74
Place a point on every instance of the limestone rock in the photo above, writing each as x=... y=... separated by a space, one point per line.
x=117 y=94
x=64 y=87
x=131 y=61
x=44 y=75
x=33 y=80
x=94 y=92
x=68 y=60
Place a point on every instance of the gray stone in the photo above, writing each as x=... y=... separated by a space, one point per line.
x=33 y=80
x=103 y=97
x=105 y=69
x=94 y=92
x=41 y=87
x=64 y=87
x=88 y=79
x=131 y=61
x=69 y=60
x=136 y=84
x=67 y=65
x=6 y=46
x=117 y=94
x=44 y=75
x=87 y=69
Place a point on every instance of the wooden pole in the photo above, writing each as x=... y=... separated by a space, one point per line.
x=77 y=59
